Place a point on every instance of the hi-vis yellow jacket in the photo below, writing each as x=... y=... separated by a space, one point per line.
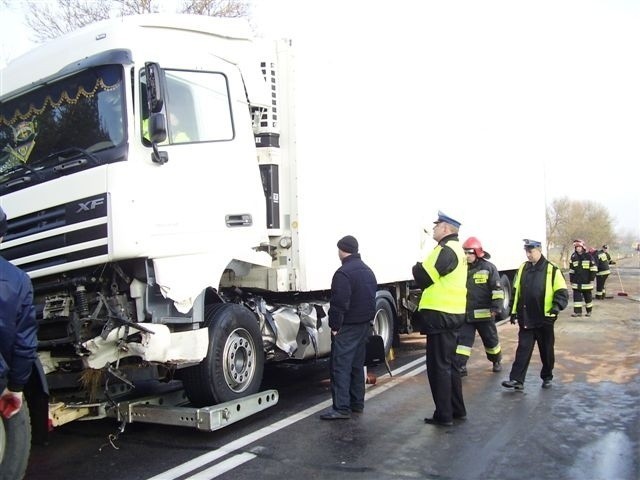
x=449 y=292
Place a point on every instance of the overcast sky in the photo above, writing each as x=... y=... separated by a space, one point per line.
x=582 y=85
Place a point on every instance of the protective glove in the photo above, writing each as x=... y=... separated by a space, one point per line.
x=10 y=403
x=554 y=311
x=513 y=319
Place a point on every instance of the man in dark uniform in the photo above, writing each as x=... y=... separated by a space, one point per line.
x=539 y=294
x=18 y=330
x=484 y=302
x=441 y=312
x=603 y=260
x=351 y=312
x=582 y=272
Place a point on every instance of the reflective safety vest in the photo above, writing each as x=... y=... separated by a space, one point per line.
x=448 y=293
x=553 y=282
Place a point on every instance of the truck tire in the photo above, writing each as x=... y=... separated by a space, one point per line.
x=506 y=288
x=234 y=363
x=15 y=444
x=383 y=322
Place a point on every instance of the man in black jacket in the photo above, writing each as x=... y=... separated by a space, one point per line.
x=582 y=273
x=352 y=309
x=539 y=294
x=603 y=260
x=484 y=302
x=18 y=330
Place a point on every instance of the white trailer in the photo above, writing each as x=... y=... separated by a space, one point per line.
x=175 y=189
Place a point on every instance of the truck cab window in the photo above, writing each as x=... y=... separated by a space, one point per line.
x=197 y=107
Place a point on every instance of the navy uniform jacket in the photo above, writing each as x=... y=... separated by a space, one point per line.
x=353 y=293
x=530 y=306
x=18 y=326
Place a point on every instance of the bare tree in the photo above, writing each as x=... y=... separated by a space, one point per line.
x=217 y=8
x=134 y=7
x=568 y=220
x=50 y=19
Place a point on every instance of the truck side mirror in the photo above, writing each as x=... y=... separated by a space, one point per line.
x=157 y=128
x=155 y=86
x=158 y=134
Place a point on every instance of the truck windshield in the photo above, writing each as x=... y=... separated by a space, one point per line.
x=78 y=118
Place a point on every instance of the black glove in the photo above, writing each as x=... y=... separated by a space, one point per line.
x=554 y=311
x=513 y=319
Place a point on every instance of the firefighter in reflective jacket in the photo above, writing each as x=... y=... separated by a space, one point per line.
x=603 y=260
x=582 y=272
x=539 y=294
x=484 y=301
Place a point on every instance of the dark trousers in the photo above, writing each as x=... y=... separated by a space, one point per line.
x=527 y=339
x=443 y=375
x=489 y=335
x=600 y=281
x=346 y=365
x=578 y=296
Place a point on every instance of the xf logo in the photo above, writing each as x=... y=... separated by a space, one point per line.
x=90 y=205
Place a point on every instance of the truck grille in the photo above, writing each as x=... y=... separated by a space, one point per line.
x=66 y=244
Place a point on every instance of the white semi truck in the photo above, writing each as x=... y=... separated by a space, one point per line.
x=175 y=189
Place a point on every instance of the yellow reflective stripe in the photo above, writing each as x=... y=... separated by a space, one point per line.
x=463 y=350
x=497 y=295
x=604 y=272
x=493 y=351
x=482 y=313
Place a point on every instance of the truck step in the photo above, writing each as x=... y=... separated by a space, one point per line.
x=162 y=410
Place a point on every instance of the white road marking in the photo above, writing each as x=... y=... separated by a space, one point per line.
x=222 y=467
x=230 y=448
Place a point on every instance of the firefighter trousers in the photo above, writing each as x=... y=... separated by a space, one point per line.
x=601 y=292
x=488 y=334
x=582 y=298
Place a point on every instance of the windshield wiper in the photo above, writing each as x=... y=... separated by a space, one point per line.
x=16 y=175
x=68 y=158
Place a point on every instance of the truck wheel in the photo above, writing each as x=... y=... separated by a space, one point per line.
x=15 y=444
x=234 y=363
x=506 y=288
x=383 y=322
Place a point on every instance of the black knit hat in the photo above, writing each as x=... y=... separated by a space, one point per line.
x=348 y=244
x=3 y=222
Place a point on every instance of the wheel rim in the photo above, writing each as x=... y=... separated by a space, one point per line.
x=506 y=289
x=239 y=360
x=382 y=324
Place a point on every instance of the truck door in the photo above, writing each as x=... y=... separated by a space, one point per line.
x=208 y=196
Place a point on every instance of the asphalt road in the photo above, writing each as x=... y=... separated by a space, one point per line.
x=586 y=427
